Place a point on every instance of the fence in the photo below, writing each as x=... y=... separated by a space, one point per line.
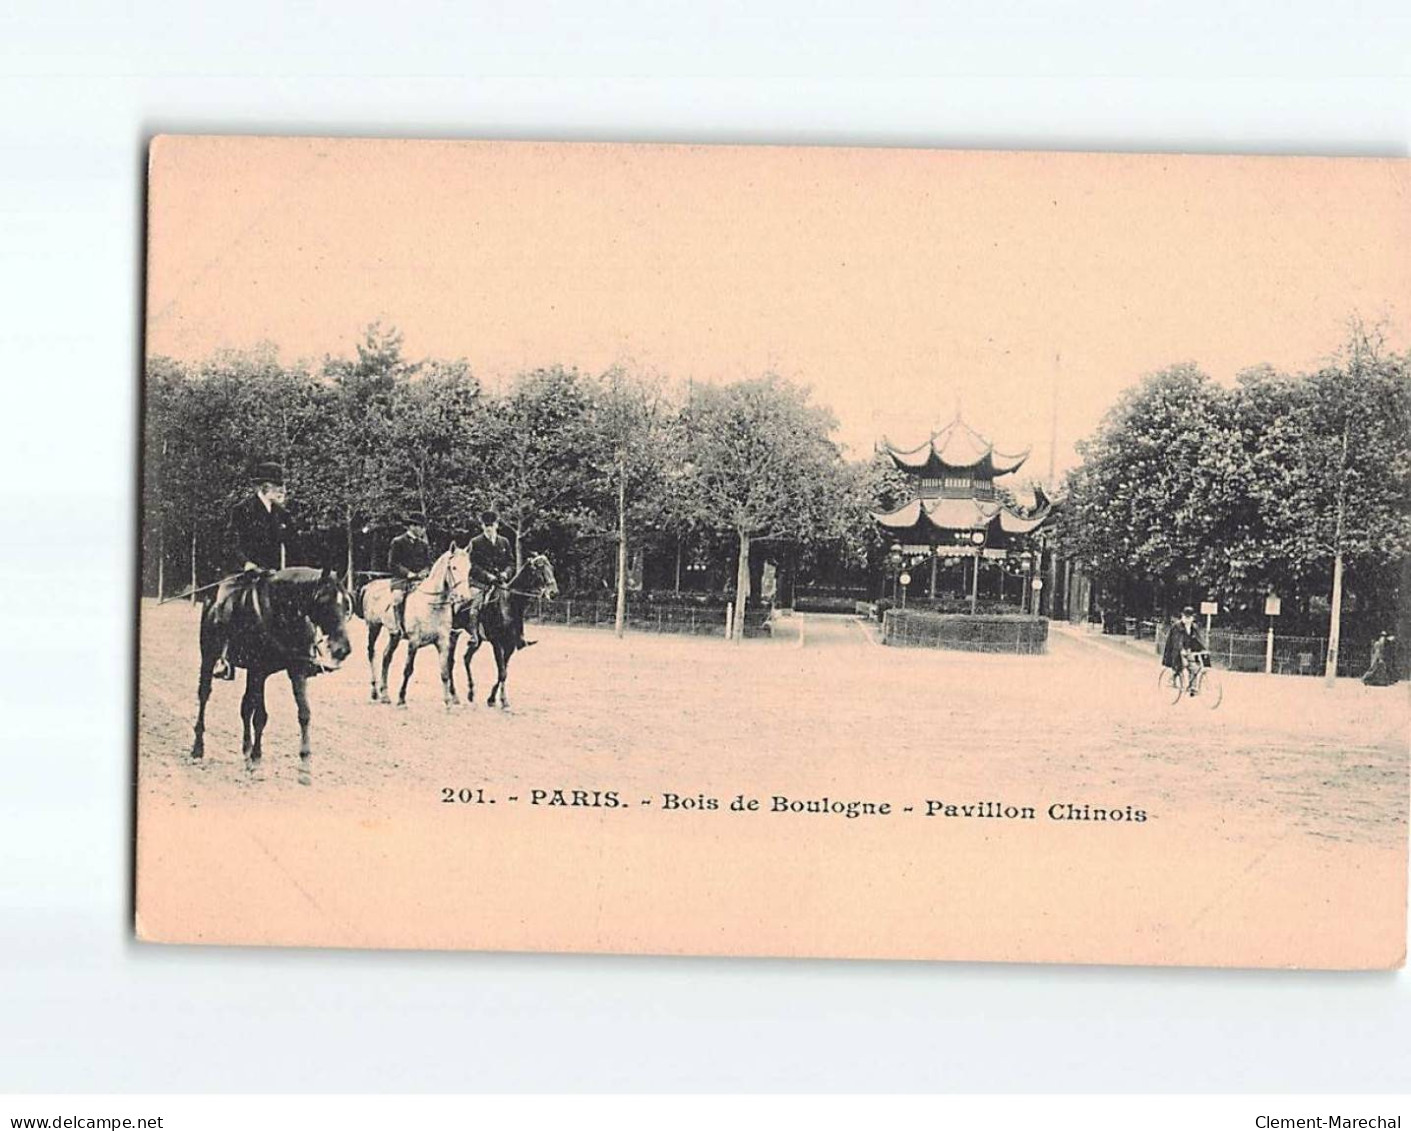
x=688 y=619
x=1293 y=655
x=1017 y=635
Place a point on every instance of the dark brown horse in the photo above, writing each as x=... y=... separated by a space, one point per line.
x=499 y=618
x=292 y=620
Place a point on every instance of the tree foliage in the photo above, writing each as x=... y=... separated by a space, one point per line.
x=1237 y=492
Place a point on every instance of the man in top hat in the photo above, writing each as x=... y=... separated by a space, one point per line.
x=1181 y=642
x=258 y=526
x=408 y=561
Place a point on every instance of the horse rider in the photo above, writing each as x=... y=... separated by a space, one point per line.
x=259 y=525
x=1182 y=642
x=492 y=559
x=408 y=561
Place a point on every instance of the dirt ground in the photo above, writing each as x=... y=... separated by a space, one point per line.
x=1275 y=832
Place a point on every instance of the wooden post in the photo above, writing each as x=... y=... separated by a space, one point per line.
x=729 y=619
x=1269 y=650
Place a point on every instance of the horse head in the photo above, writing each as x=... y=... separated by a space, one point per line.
x=457 y=584
x=328 y=608
x=541 y=572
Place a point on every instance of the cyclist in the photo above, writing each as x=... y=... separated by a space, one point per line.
x=1184 y=648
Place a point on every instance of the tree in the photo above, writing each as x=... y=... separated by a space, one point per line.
x=762 y=466
x=1153 y=496
x=537 y=455
x=628 y=422
x=1352 y=501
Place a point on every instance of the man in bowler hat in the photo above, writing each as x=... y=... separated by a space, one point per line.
x=408 y=561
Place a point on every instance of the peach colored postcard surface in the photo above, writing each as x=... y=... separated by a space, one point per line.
x=664 y=348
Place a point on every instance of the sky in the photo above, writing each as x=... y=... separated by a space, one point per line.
x=1025 y=290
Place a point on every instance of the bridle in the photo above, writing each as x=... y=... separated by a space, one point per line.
x=445 y=594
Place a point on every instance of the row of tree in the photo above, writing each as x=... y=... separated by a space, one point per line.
x=582 y=466
x=1297 y=485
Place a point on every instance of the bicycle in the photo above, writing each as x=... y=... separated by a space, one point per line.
x=1196 y=679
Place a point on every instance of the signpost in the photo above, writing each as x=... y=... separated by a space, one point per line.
x=1272 y=606
x=1210 y=609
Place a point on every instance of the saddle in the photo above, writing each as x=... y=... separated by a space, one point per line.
x=244 y=602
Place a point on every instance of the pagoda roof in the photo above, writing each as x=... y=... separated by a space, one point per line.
x=956 y=447
x=924 y=517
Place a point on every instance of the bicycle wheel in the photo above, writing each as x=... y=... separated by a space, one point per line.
x=1211 y=689
x=1171 y=684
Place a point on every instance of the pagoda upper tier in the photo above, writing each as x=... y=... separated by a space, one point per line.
x=954 y=495
x=957 y=450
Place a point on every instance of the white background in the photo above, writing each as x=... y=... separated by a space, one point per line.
x=83 y=85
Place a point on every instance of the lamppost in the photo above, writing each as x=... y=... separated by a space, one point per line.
x=977 y=539
x=894 y=567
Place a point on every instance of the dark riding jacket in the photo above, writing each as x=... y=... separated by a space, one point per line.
x=489 y=558
x=408 y=557
x=257 y=534
x=1177 y=640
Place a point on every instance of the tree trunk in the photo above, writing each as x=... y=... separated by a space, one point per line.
x=742 y=586
x=161 y=558
x=518 y=549
x=620 y=616
x=1330 y=671
x=677 y=588
x=193 y=563
x=934 y=567
x=348 y=530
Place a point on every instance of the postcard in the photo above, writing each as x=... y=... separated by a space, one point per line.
x=748 y=550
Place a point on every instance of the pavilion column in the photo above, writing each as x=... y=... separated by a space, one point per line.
x=933 y=573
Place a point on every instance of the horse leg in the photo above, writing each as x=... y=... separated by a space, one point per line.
x=447 y=657
x=300 y=684
x=450 y=671
x=203 y=693
x=374 y=630
x=407 y=672
x=253 y=716
x=387 y=653
x=502 y=660
x=472 y=642
x=499 y=688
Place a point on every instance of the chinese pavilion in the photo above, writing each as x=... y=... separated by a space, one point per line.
x=956 y=509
